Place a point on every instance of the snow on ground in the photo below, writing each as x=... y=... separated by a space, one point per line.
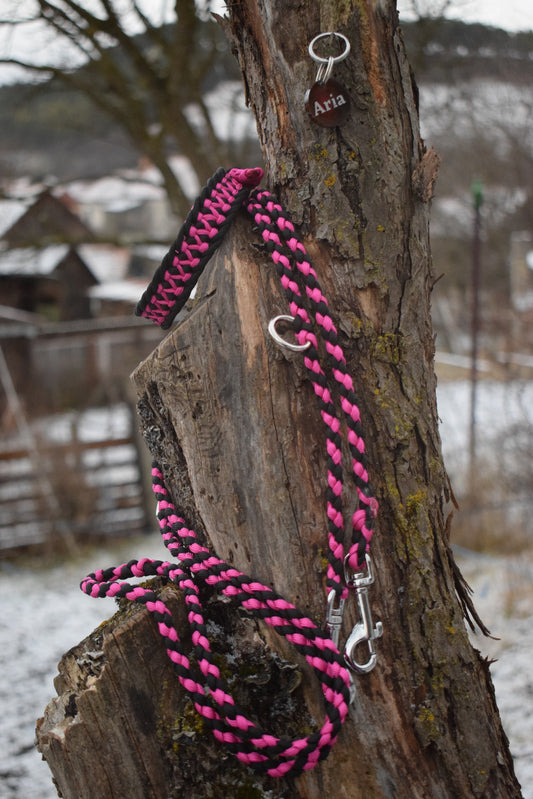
x=503 y=593
x=499 y=406
x=504 y=441
x=44 y=614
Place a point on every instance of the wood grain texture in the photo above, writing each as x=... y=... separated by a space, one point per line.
x=242 y=413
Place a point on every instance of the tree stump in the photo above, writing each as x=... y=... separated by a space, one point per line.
x=234 y=425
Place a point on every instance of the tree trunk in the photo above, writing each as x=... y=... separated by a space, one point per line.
x=234 y=423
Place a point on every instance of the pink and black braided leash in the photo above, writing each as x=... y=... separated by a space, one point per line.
x=223 y=196
x=201 y=234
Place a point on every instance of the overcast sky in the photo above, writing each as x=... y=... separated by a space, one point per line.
x=512 y=15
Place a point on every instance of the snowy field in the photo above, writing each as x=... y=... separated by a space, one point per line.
x=503 y=593
x=55 y=616
x=44 y=614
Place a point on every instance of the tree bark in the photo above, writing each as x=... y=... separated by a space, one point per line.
x=235 y=426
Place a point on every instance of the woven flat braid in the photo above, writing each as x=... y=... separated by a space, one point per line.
x=199 y=237
x=250 y=743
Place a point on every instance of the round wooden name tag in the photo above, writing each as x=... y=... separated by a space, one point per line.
x=327 y=104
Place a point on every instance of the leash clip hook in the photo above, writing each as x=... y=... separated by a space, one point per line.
x=364 y=631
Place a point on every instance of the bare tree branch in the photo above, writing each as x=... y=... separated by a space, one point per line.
x=434 y=9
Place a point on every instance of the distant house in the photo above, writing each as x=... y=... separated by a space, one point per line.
x=49 y=261
x=130 y=206
x=52 y=281
x=48 y=221
x=66 y=304
x=53 y=261
x=116 y=299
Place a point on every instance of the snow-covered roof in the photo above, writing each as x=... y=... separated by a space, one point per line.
x=10 y=211
x=127 y=290
x=154 y=252
x=106 y=262
x=129 y=188
x=148 y=173
x=32 y=260
x=121 y=191
x=113 y=193
x=19 y=193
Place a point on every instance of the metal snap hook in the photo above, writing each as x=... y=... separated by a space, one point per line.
x=281 y=341
x=364 y=631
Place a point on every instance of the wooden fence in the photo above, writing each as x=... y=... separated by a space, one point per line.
x=74 y=476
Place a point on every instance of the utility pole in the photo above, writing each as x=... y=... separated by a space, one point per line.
x=477 y=197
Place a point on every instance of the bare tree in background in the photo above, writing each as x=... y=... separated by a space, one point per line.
x=144 y=75
x=431 y=9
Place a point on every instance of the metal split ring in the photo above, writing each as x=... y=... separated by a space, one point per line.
x=326 y=64
x=324 y=71
x=336 y=59
x=281 y=341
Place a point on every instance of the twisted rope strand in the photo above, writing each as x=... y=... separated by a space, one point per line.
x=249 y=742
x=200 y=236
x=261 y=213
x=279 y=235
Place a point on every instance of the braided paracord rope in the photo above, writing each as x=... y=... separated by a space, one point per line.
x=200 y=236
x=250 y=743
x=284 y=247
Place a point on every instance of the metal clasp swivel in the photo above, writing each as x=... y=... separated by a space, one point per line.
x=334 y=617
x=364 y=631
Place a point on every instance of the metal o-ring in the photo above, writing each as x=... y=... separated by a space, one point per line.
x=336 y=59
x=281 y=341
